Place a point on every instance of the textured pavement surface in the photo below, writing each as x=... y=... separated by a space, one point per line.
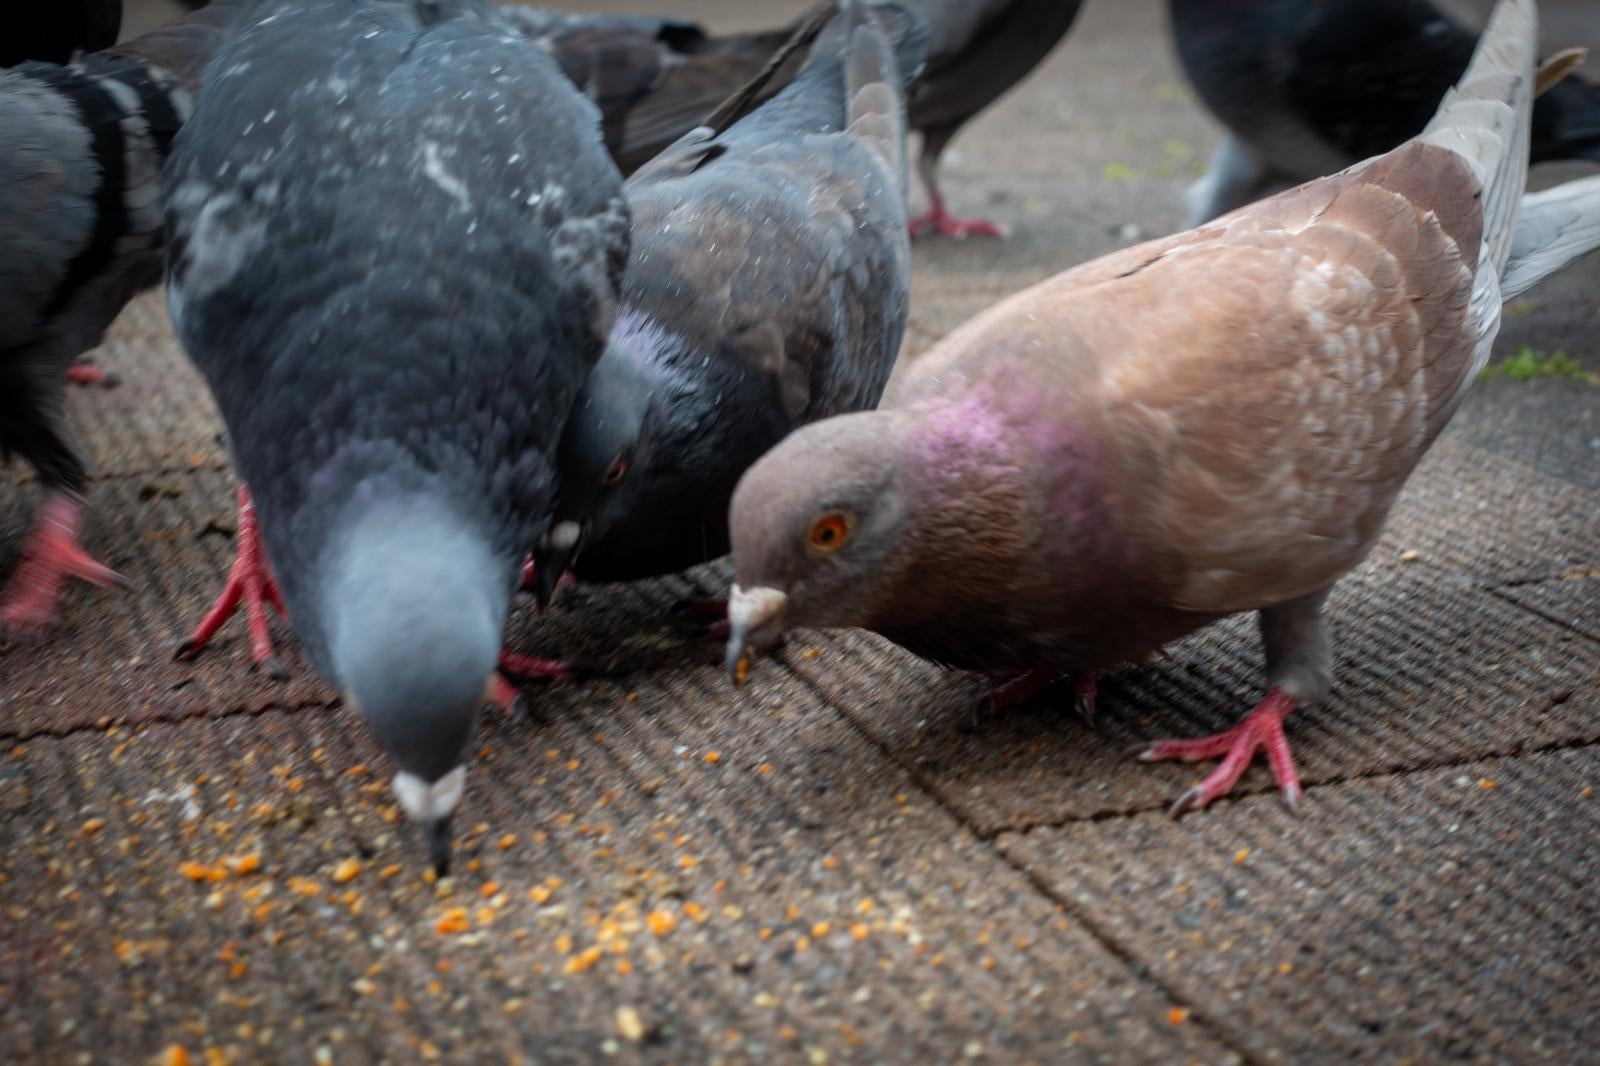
x=844 y=862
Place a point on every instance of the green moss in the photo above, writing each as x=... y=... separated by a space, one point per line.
x=1529 y=364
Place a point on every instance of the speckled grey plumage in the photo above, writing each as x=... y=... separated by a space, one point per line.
x=768 y=289
x=81 y=149
x=396 y=244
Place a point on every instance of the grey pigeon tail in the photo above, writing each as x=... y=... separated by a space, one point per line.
x=1308 y=88
x=396 y=246
x=81 y=150
x=1106 y=462
x=769 y=288
x=654 y=79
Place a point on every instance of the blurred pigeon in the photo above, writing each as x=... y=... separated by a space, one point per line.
x=1212 y=423
x=768 y=289
x=396 y=246
x=654 y=79
x=1309 y=87
x=56 y=31
x=978 y=49
x=81 y=148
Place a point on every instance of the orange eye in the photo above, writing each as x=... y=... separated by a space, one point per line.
x=614 y=472
x=829 y=533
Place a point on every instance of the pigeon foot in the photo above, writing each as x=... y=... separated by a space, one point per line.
x=250 y=582
x=941 y=223
x=530 y=578
x=88 y=374
x=1019 y=689
x=1261 y=730
x=528 y=667
x=30 y=601
x=504 y=694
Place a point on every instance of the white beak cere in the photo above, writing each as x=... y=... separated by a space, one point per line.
x=753 y=608
x=427 y=803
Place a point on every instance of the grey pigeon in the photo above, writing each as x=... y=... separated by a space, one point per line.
x=978 y=50
x=654 y=79
x=657 y=79
x=396 y=246
x=1308 y=87
x=54 y=31
x=768 y=289
x=81 y=149
x=1111 y=459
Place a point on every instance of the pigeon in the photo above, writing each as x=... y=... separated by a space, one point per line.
x=81 y=149
x=396 y=246
x=654 y=79
x=1194 y=427
x=1308 y=87
x=57 y=31
x=978 y=50
x=769 y=288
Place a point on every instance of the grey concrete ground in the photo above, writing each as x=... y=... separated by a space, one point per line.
x=844 y=862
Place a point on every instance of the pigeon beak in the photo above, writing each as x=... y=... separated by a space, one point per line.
x=552 y=557
x=431 y=805
x=755 y=622
x=437 y=834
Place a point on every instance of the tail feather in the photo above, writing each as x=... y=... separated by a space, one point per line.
x=1554 y=227
x=1486 y=120
x=874 y=76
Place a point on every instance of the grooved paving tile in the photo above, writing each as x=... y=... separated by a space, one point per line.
x=1430 y=917
x=170 y=537
x=1573 y=599
x=757 y=887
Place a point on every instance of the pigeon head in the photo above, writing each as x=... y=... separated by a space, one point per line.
x=608 y=447
x=412 y=607
x=818 y=526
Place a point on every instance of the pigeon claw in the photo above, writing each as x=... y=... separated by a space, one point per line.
x=30 y=601
x=941 y=223
x=250 y=582
x=527 y=667
x=1084 y=689
x=530 y=578
x=1261 y=730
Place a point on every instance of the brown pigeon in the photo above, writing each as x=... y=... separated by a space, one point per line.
x=1212 y=423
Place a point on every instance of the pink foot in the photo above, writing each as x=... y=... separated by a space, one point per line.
x=943 y=224
x=1019 y=689
x=52 y=554
x=249 y=581
x=1262 y=728
x=504 y=694
x=86 y=374
x=526 y=666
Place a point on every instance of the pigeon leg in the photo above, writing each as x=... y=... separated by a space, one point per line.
x=52 y=554
x=1235 y=177
x=89 y=374
x=1019 y=689
x=1299 y=671
x=938 y=220
x=527 y=666
x=251 y=582
x=1085 y=687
